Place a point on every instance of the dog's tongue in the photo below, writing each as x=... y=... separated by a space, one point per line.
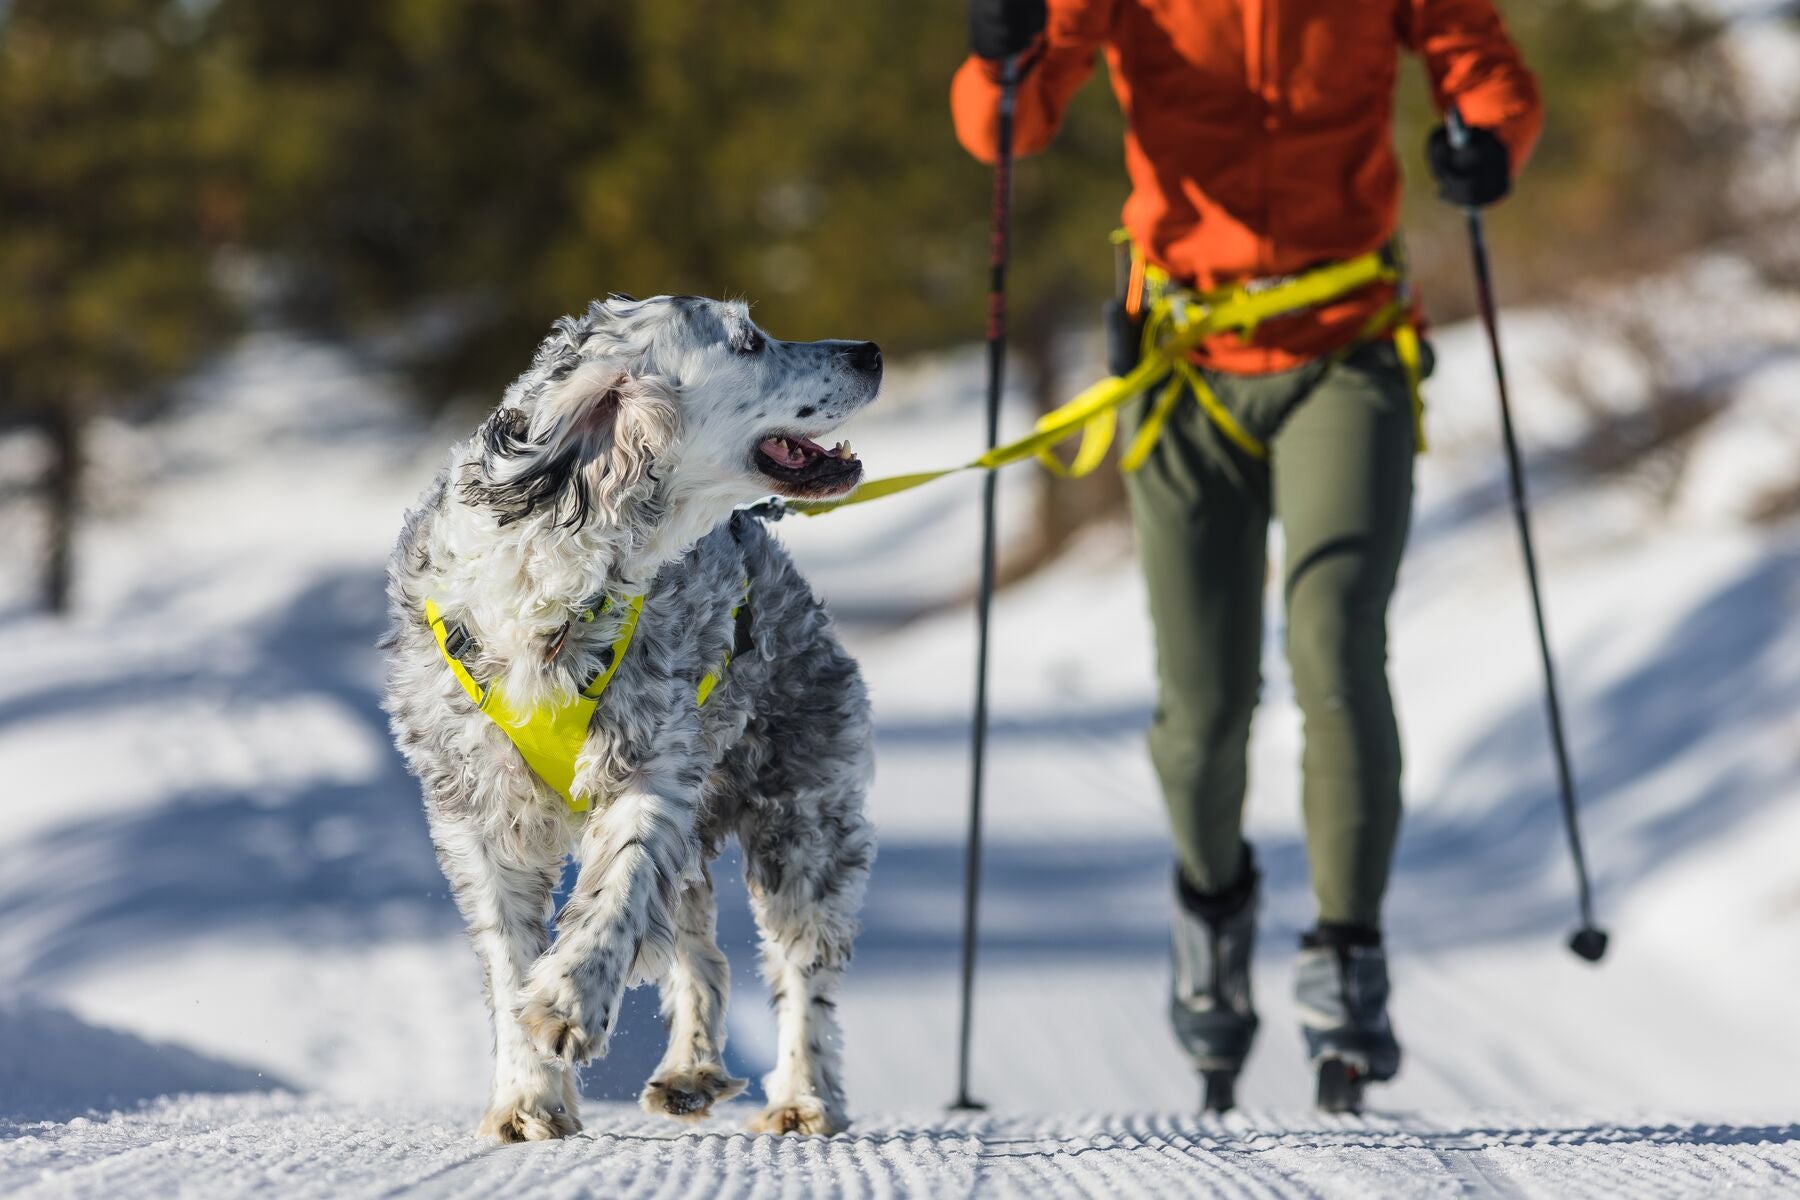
x=791 y=452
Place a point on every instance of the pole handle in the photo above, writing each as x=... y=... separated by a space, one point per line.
x=1456 y=128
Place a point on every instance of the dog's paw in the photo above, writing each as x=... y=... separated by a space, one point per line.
x=804 y=1117
x=524 y=1120
x=689 y=1095
x=555 y=1033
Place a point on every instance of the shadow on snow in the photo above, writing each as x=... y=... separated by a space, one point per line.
x=342 y=863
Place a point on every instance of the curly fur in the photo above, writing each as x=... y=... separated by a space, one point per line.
x=611 y=468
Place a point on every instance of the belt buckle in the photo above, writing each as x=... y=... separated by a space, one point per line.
x=1266 y=283
x=456 y=640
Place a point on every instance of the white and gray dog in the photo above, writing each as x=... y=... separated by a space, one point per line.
x=586 y=535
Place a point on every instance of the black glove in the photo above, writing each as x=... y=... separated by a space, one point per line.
x=1474 y=176
x=999 y=29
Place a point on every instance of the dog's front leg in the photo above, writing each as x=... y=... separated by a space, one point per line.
x=503 y=890
x=633 y=856
x=691 y=1077
x=805 y=893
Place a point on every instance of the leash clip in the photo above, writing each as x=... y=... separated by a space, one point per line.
x=772 y=509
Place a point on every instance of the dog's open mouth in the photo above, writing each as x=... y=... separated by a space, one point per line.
x=802 y=468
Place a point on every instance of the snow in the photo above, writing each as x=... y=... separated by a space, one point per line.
x=297 y=1147
x=228 y=965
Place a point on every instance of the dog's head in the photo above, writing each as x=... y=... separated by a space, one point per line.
x=672 y=402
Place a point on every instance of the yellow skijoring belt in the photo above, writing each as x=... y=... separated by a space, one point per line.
x=1176 y=321
x=550 y=736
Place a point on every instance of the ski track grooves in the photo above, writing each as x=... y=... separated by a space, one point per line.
x=284 y=1145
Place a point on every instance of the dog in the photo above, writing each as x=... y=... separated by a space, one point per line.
x=586 y=537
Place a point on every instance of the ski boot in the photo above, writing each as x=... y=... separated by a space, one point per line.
x=1341 y=989
x=1212 y=936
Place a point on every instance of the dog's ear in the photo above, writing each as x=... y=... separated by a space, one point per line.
x=587 y=447
x=632 y=424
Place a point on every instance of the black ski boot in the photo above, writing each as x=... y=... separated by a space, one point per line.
x=1212 y=936
x=1341 y=989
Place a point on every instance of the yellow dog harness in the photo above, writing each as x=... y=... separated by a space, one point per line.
x=1176 y=320
x=550 y=735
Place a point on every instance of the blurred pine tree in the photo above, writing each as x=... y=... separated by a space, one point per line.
x=513 y=160
x=456 y=173
x=503 y=161
x=107 y=183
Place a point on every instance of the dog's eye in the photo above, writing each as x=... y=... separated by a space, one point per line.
x=751 y=343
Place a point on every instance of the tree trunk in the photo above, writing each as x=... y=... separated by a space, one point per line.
x=1064 y=506
x=62 y=490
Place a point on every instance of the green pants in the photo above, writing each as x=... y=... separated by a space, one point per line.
x=1338 y=476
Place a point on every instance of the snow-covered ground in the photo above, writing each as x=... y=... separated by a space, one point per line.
x=244 y=1145
x=227 y=962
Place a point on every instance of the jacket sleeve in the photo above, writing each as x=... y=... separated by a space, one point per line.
x=1055 y=69
x=1472 y=63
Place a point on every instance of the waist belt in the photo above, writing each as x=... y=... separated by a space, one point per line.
x=1175 y=321
x=550 y=735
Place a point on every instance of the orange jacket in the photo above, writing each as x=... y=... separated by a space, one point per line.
x=1258 y=135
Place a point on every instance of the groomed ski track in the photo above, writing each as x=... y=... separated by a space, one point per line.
x=282 y=1145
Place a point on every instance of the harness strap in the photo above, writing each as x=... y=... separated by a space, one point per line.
x=740 y=642
x=614 y=654
x=451 y=650
x=1392 y=320
x=1412 y=361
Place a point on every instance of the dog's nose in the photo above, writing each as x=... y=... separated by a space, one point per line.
x=865 y=356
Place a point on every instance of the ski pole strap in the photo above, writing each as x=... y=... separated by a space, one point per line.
x=1176 y=321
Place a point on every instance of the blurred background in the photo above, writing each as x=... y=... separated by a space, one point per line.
x=260 y=264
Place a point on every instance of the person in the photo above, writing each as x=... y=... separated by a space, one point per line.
x=1259 y=149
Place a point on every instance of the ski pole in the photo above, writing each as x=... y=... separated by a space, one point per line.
x=1589 y=941
x=998 y=247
